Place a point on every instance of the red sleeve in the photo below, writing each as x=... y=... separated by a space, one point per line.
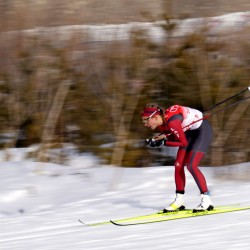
x=179 y=136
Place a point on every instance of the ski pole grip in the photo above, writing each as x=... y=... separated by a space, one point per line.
x=147 y=141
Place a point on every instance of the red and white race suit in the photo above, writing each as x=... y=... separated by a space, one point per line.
x=186 y=129
x=192 y=118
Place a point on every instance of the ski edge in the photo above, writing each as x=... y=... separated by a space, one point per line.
x=197 y=214
x=118 y=222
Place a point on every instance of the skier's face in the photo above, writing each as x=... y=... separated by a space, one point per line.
x=152 y=122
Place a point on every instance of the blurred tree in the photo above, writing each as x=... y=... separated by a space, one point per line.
x=71 y=89
x=114 y=78
x=199 y=71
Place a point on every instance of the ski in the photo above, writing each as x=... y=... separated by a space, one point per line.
x=99 y=223
x=153 y=216
x=137 y=218
x=188 y=214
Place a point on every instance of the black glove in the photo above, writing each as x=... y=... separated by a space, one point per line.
x=155 y=143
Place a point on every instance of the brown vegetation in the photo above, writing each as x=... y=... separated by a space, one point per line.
x=55 y=90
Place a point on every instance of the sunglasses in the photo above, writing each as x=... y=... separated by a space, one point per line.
x=146 y=120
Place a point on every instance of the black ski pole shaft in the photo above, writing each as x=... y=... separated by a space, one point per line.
x=215 y=112
x=229 y=106
x=206 y=116
x=229 y=98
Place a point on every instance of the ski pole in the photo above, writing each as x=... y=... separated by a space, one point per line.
x=230 y=105
x=217 y=111
x=229 y=98
x=162 y=136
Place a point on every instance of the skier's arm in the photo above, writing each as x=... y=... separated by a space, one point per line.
x=180 y=139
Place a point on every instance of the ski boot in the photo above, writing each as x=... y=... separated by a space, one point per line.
x=177 y=205
x=205 y=205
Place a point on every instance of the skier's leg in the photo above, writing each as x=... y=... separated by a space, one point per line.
x=180 y=181
x=180 y=178
x=194 y=159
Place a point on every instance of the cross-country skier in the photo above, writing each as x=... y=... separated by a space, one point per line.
x=182 y=127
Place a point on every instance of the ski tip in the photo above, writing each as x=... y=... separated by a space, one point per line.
x=114 y=223
x=82 y=222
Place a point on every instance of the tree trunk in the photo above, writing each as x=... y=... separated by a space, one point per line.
x=51 y=122
x=123 y=134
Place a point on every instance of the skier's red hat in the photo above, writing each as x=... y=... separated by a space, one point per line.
x=150 y=111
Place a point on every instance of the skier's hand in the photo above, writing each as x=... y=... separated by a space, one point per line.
x=159 y=137
x=155 y=143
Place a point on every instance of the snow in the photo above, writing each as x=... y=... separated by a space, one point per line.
x=110 y=32
x=40 y=204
